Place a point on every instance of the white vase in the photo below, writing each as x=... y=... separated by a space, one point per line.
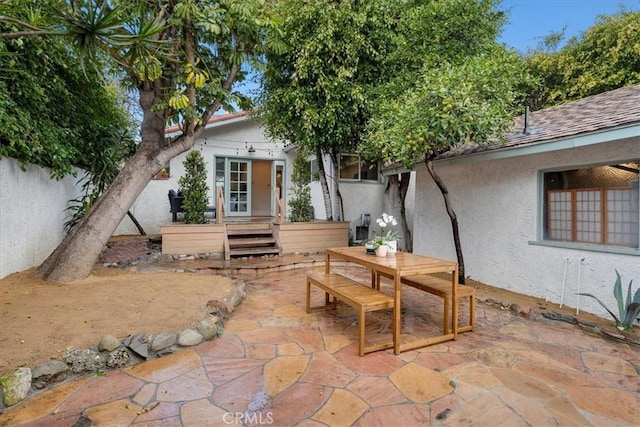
x=392 y=246
x=381 y=250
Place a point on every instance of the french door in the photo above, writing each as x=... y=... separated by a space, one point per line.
x=238 y=188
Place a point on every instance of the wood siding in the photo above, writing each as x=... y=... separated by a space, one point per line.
x=310 y=237
x=188 y=239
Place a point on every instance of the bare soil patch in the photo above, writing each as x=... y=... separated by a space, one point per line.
x=39 y=320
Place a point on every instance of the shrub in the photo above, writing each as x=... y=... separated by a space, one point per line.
x=300 y=201
x=193 y=185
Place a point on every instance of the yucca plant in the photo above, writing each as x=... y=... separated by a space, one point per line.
x=628 y=310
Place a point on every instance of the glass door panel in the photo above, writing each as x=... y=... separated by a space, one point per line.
x=239 y=193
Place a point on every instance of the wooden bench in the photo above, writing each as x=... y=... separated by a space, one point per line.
x=363 y=298
x=442 y=288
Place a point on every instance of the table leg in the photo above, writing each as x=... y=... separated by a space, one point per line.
x=327 y=263
x=454 y=296
x=397 y=312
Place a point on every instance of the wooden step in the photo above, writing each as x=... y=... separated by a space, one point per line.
x=248 y=226
x=254 y=251
x=251 y=242
x=232 y=233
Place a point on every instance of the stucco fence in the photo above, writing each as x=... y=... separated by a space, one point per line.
x=33 y=210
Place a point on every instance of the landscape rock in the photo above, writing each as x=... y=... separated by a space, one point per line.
x=118 y=358
x=82 y=360
x=108 y=343
x=139 y=344
x=163 y=340
x=208 y=329
x=219 y=309
x=238 y=295
x=15 y=386
x=189 y=338
x=50 y=372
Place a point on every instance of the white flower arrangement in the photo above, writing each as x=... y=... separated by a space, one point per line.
x=387 y=220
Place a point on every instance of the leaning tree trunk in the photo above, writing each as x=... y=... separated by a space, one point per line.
x=75 y=257
x=322 y=175
x=397 y=187
x=452 y=216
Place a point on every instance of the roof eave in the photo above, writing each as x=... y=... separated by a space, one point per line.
x=603 y=136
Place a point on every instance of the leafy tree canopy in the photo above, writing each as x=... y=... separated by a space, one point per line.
x=453 y=82
x=605 y=57
x=449 y=105
x=54 y=112
x=315 y=94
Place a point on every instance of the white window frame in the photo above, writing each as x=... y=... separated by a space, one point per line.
x=360 y=164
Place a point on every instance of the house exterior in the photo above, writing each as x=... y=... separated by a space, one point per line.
x=550 y=213
x=248 y=166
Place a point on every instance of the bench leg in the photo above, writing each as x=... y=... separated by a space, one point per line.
x=447 y=304
x=361 y=331
x=472 y=311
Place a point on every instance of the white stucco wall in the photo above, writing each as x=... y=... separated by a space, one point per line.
x=496 y=202
x=151 y=209
x=32 y=214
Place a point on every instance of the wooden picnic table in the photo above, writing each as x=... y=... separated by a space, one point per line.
x=395 y=267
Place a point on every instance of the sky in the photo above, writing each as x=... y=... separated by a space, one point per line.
x=531 y=20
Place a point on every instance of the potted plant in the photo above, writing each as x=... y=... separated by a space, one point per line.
x=389 y=237
x=380 y=246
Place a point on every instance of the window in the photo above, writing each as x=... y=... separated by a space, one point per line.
x=352 y=168
x=312 y=167
x=596 y=205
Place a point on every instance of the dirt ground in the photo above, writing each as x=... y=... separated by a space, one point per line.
x=39 y=320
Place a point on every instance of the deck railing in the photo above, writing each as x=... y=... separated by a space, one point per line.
x=219 y=205
x=280 y=210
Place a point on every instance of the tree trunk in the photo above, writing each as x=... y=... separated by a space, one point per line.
x=75 y=257
x=136 y=223
x=328 y=209
x=340 y=205
x=452 y=215
x=397 y=187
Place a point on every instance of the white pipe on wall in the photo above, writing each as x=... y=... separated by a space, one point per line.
x=564 y=280
x=580 y=261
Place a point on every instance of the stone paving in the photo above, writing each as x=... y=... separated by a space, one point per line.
x=277 y=365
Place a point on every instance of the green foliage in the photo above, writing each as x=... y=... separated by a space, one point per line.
x=605 y=57
x=52 y=113
x=300 y=199
x=451 y=104
x=316 y=93
x=193 y=185
x=628 y=310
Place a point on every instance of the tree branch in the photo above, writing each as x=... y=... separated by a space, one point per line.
x=33 y=31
